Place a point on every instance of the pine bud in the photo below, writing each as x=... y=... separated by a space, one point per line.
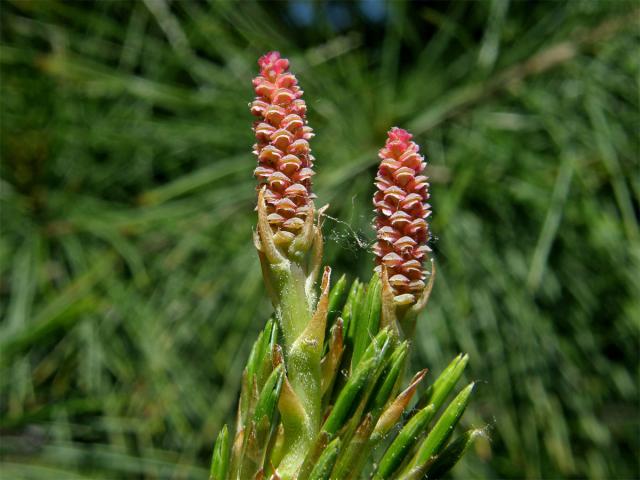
x=285 y=165
x=402 y=209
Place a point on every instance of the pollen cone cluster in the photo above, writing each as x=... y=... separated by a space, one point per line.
x=282 y=146
x=322 y=394
x=402 y=210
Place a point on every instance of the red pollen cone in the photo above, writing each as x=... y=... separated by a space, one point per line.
x=285 y=165
x=402 y=210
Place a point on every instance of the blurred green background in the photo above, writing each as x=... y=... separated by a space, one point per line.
x=130 y=291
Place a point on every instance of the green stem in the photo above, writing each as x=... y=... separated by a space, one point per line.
x=294 y=309
x=302 y=358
